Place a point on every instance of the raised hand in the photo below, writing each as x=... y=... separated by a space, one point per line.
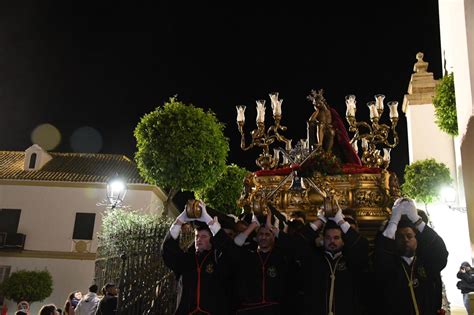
x=205 y=217
x=183 y=218
x=408 y=208
x=322 y=216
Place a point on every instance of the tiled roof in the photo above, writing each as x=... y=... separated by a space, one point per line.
x=70 y=167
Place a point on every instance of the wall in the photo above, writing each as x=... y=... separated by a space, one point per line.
x=68 y=276
x=47 y=218
x=425 y=140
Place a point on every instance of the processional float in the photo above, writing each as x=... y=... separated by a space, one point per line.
x=327 y=164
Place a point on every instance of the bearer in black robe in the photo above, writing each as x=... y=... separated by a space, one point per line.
x=262 y=274
x=203 y=270
x=334 y=270
x=409 y=257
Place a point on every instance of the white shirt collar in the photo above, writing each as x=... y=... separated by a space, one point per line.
x=408 y=260
x=333 y=256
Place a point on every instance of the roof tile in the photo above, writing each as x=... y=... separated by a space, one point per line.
x=71 y=167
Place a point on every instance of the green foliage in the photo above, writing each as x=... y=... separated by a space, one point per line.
x=444 y=102
x=121 y=226
x=225 y=192
x=180 y=146
x=424 y=179
x=27 y=285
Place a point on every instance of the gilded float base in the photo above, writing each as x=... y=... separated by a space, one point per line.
x=370 y=195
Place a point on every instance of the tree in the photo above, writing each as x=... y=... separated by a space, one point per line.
x=27 y=285
x=444 y=102
x=180 y=147
x=225 y=192
x=424 y=179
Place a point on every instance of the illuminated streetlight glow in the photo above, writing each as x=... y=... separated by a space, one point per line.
x=116 y=190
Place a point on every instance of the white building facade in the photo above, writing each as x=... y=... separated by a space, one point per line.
x=455 y=221
x=52 y=199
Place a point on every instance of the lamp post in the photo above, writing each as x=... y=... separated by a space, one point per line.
x=116 y=190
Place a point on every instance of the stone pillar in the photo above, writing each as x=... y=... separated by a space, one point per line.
x=425 y=139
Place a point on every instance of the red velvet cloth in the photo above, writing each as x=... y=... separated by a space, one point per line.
x=278 y=171
x=342 y=138
x=350 y=168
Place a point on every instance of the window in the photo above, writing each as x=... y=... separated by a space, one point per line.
x=32 y=160
x=9 y=220
x=4 y=273
x=84 y=226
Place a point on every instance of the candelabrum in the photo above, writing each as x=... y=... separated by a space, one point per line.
x=374 y=136
x=262 y=137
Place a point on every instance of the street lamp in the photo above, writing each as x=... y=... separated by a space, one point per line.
x=116 y=190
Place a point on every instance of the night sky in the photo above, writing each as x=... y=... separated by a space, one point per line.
x=103 y=66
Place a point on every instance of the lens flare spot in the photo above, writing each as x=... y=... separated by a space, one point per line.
x=86 y=139
x=46 y=136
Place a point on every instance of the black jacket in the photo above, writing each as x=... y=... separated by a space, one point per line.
x=347 y=268
x=213 y=274
x=466 y=284
x=431 y=257
x=261 y=279
x=107 y=306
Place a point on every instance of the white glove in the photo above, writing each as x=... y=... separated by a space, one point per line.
x=322 y=216
x=255 y=220
x=175 y=230
x=214 y=226
x=390 y=230
x=408 y=208
x=240 y=239
x=275 y=228
x=316 y=225
x=205 y=217
x=338 y=217
x=276 y=223
x=396 y=211
x=183 y=218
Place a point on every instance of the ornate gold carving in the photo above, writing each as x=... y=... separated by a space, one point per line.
x=370 y=195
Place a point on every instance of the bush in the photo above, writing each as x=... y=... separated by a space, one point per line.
x=424 y=179
x=224 y=194
x=120 y=226
x=444 y=102
x=26 y=285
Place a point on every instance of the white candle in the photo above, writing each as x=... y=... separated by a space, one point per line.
x=276 y=104
x=393 y=109
x=276 y=154
x=379 y=101
x=240 y=113
x=351 y=105
x=373 y=111
x=260 y=111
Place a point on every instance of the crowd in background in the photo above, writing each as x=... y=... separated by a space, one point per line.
x=89 y=304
